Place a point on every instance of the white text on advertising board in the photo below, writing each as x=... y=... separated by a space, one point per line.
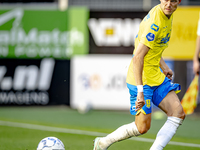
x=114 y=31
x=29 y=84
x=35 y=43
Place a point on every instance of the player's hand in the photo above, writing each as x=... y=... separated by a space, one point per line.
x=140 y=101
x=196 y=67
x=168 y=73
x=169 y=76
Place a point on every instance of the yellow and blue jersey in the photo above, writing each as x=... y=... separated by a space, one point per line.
x=198 y=28
x=154 y=32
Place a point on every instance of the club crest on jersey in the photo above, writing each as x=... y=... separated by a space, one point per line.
x=154 y=27
x=150 y=36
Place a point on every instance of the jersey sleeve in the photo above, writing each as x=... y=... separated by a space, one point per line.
x=150 y=30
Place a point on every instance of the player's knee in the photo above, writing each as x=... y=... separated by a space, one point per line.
x=143 y=128
x=177 y=112
x=180 y=113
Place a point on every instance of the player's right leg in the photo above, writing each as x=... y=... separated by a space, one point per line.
x=167 y=100
x=172 y=107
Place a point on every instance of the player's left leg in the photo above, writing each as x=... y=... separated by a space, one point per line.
x=140 y=126
x=172 y=107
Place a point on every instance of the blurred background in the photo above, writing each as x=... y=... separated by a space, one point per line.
x=77 y=52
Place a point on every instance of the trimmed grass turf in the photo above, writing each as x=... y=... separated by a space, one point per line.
x=99 y=121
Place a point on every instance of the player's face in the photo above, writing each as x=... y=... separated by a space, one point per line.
x=169 y=6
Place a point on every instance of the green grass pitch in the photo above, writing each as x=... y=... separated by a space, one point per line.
x=61 y=118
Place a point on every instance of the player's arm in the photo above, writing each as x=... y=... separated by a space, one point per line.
x=166 y=70
x=196 y=56
x=138 y=62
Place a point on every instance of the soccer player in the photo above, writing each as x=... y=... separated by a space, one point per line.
x=149 y=81
x=197 y=51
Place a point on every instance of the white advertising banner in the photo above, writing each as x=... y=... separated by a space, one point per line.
x=100 y=81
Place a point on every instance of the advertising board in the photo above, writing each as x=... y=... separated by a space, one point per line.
x=34 y=81
x=100 y=81
x=43 y=33
x=115 y=32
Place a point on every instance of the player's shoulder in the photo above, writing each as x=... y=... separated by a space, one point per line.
x=152 y=14
x=155 y=9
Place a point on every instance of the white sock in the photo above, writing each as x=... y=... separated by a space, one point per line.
x=123 y=132
x=166 y=133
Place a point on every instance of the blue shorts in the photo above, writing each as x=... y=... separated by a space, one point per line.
x=152 y=94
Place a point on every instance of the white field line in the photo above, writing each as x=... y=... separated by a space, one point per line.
x=82 y=132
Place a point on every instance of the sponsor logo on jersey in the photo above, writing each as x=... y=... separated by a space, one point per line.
x=150 y=36
x=165 y=39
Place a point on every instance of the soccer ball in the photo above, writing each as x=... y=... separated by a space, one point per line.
x=51 y=143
